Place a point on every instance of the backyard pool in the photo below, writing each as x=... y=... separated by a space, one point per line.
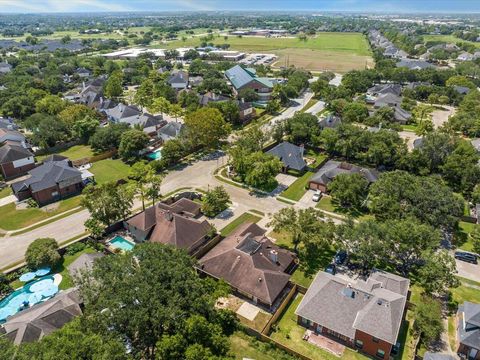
x=119 y=242
x=156 y=154
x=30 y=294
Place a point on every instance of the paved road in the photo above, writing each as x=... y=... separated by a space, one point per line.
x=316 y=108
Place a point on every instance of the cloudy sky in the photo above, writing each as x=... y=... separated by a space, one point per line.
x=445 y=6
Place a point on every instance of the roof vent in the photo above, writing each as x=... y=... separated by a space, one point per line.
x=168 y=215
x=379 y=302
x=259 y=279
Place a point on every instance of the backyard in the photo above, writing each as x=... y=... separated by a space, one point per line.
x=338 y=52
x=289 y=333
x=245 y=217
x=109 y=170
x=328 y=204
x=73 y=153
x=244 y=346
x=448 y=39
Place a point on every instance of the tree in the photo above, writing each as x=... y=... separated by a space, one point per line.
x=355 y=112
x=5 y=287
x=131 y=143
x=176 y=111
x=273 y=106
x=154 y=182
x=262 y=170
x=229 y=109
x=113 y=86
x=302 y=128
x=206 y=127
x=107 y=202
x=42 y=252
x=248 y=95
x=76 y=112
x=160 y=105
x=46 y=129
x=215 y=201
x=75 y=340
x=145 y=181
x=108 y=137
x=320 y=88
x=437 y=276
x=83 y=129
x=302 y=226
x=475 y=236
x=428 y=319
x=172 y=151
x=350 y=190
x=460 y=168
x=422 y=112
x=50 y=104
x=124 y=286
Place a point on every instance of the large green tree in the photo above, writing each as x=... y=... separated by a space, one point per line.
x=206 y=127
x=215 y=201
x=350 y=190
x=131 y=143
x=42 y=252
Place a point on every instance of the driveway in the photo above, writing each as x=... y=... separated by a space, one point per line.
x=440 y=117
x=316 y=108
x=409 y=137
x=8 y=200
x=468 y=271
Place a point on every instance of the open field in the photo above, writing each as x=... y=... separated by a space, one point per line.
x=448 y=39
x=339 y=52
x=109 y=170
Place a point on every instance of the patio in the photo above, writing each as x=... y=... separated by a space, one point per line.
x=324 y=343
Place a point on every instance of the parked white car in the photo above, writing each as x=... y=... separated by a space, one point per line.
x=317 y=196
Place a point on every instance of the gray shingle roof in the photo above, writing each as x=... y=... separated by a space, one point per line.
x=373 y=307
x=381 y=89
x=9 y=153
x=170 y=131
x=469 y=329
x=413 y=64
x=179 y=77
x=122 y=111
x=83 y=262
x=332 y=168
x=291 y=155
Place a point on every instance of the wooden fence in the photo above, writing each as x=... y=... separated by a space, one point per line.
x=280 y=310
x=95 y=158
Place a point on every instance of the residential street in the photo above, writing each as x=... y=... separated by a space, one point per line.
x=316 y=108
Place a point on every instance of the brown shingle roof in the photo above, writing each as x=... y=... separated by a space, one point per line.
x=245 y=260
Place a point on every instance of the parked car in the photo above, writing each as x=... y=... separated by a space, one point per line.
x=340 y=257
x=466 y=256
x=331 y=269
x=317 y=196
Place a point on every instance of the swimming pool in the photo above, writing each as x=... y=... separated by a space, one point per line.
x=119 y=242
x=30 y=294
x=156 y=154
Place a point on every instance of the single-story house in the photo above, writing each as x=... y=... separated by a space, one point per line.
x=382 y=89
x=290 y=155
x=178 y=80
x=251 y=264
x=468 y=330
x=332 y=168
x=49 y=182
x=365 y=315
x=241 y=78
x=34 y=323
x=330 y=121
x=400 y=115
x=122 y=111
x=170 y=131
x=15 y=160
x=414 y=64
x=83 y=73
x=171 y=225
x=147 y=122
x=5 y=68
x=12 y=135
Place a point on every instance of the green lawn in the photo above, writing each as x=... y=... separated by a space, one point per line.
x=448 y=39
x=409 y=127
x=290 y=334
x=13 y=219
x=328 y=204
x=462 y=237
x=309 y=105
x=452 y=333
x=7 y=191
x=469 y=290
x=76 y=152
x=244 y=346
x=245 y=217
x=109 y=170
x=298 y=188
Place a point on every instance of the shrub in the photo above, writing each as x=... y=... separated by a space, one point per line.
x=42 y=252
x=75 y=248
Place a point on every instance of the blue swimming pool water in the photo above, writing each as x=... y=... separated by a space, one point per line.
x=155 y=155
x=24 y=296
x=119 y=242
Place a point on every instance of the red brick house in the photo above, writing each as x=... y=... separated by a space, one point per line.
x=366 y=315
x=50 y=182
x=15 y=160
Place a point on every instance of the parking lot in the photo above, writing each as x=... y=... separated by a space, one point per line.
x=258 y=59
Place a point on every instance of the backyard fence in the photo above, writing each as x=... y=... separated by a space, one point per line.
x=95 y=158
x=280 y=310
x=57 y=148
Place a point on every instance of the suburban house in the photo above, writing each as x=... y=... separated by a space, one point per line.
x=170 y=131
x=246 y=110
x=400 y=115
x=15 y=160
x=241 y=78
x=122 y=111
x=49 y=182
x=468 y=330
x=5 y=68
x=414 y=64
x=332 y=168
x=83 y=73
x=382 y=89
x=12 y=135
x=465 y=56
x=173 y=224
x=290 y=155
x=208 y=97
x=462 y=90
x=42 y=319
x=251 y=264
x=330 y=121
x=7 y=124
x=147 y=122
x=365 y=315
x=178 y=80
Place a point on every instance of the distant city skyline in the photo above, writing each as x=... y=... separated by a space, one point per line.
x=389 y=6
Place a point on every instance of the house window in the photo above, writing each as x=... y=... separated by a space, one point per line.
x=358 y=344
x=380 y=353
x=375 y=340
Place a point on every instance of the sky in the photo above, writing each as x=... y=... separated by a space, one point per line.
x=404 y=6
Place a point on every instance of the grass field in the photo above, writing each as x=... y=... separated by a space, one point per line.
x=338 y=52
x=449 y=39
x=76 y=152
x=109 y=170
x=462 y=237
x=297 y=189
x=13 y=219
x=7 y=191
x=245 y=217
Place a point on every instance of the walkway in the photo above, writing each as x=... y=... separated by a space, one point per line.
x=8 y=200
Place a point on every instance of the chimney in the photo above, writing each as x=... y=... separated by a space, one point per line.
x=168 y=215
x=274 y=256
